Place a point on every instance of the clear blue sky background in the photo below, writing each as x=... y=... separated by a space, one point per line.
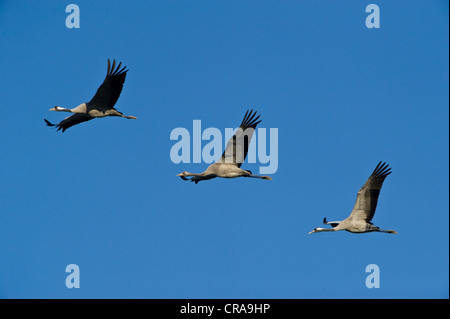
x=104 y=194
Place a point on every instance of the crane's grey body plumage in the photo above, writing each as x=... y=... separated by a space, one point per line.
x=101 y=105
x=229 y=165
x=360 y=219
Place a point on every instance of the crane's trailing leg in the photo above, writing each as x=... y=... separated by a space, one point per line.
x=389 y=231
x=249 y=174
x=259 y=176
x=114 y=112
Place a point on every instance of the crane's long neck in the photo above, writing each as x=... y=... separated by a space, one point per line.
x=197 y=177
x=195 y=174
x=82 y=108
x=319 y=229
x=62 y=109
x=201 y=176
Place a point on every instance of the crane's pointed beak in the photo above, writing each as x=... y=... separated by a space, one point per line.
x=312 y=231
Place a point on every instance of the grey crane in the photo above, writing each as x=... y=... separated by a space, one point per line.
x=360 y=218
x=101 y=105
x=229 y=165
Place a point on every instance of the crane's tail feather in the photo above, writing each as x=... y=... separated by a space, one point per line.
x=48 y=123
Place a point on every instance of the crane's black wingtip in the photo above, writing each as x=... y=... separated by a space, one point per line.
x=382 y=169
x=250 y=120
x=115 y=70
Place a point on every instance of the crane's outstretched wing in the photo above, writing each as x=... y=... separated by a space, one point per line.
x=70 y=121
x=237 y=146
x=366 y=201
x=108 y=93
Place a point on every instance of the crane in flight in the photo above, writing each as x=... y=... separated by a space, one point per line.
x=229 y=165
x=101 y=105
x=360 y=218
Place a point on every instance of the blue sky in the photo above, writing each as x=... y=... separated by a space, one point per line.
x=104 y=194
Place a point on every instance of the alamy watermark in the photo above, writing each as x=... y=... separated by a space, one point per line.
x=258 y=149
x=373 y=279
x=73 y=19
x=373 y=19
x=73 y=279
